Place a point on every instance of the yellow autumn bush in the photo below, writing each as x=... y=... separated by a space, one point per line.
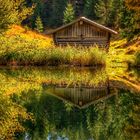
x=22 y=47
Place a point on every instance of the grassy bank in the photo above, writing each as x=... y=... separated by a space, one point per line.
x=21 y=47
x=124 y=54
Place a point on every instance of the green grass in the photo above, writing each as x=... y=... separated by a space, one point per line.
x=124 y=54
x=24 y=47
x=17 y=50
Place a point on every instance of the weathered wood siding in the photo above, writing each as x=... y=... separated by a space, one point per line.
x=84 y=96
x=80 y=96
x=82 y=33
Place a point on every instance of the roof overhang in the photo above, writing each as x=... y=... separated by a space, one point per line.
x=84 y=105
x=87 y=21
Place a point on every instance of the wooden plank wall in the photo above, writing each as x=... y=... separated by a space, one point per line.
x=84 y=96
x=82 y=33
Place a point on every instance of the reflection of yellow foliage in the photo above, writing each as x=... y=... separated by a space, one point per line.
x=11 y=118
x=9 y=85
x=132 y=129
x=21 y=80
x=15 y=81
x=32 y=78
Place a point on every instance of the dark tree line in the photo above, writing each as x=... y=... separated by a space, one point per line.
x=118 y=14
x=122 y=15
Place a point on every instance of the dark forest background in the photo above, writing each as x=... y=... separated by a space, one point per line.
x=121 y=15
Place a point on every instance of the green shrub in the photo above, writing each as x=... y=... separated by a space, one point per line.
x=137 y=59
x=27 y=52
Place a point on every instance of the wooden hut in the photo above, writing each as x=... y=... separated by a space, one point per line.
x=83 y=32
x=80 y=97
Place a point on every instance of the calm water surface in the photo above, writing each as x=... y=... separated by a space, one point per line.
x=69 y=104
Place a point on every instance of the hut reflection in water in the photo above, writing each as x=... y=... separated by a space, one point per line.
x=81 y=97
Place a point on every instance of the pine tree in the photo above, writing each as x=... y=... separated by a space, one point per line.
x=89 y=9
x=68 y=14
x=38 y=10
x=79 y=6
x=13 y=11
x=134 y=5
x=21 y=11
x=108 y=12
x=114 y=13
x=103 y=9
x=58 y=7
x=6 y=11
x=129 y=21
x=39 y=25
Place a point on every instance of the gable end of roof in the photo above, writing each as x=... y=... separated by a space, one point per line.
x=93 y=23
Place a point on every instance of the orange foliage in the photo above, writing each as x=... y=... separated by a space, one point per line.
x=18 y=30
x=133 y=4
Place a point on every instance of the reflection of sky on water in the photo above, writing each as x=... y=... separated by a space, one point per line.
x=57 y=137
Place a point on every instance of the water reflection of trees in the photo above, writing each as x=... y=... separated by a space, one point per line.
x=59 y=76
x=12 y=118
x=111 y=119
x=21 y=89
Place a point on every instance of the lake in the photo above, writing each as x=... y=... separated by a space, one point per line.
x=68 y=103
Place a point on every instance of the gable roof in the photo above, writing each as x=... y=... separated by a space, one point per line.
x=62 y=96
x=87 y=21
